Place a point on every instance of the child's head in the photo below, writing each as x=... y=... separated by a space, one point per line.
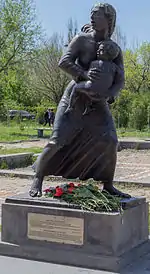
x=108 y=50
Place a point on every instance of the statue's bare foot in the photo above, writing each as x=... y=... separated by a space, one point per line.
x=113 y=191
x=36 y=187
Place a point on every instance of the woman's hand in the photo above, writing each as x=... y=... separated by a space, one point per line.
x=83 y=77
x=93 y=74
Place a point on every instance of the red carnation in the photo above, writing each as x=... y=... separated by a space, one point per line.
x=79 y=185
x=59 y=192
x=47 y=190
x=71 y=185
x=70 y=189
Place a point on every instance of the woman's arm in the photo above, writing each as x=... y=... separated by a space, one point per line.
x=67 y=61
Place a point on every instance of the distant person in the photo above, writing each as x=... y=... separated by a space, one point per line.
x=52 y=117
x=47 y=117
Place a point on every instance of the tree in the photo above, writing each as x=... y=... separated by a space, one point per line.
x=139 y=112
x=72 y=28
x=48 y=79
x=19 y=36
x=137 y=68
x=19 y=32
x=122 y=108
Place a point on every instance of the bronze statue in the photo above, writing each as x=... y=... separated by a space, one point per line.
x=84 y=146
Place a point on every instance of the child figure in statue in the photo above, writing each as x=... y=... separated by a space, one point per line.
x=106 y=53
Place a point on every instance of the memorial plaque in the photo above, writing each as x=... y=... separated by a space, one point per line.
x=53 y=228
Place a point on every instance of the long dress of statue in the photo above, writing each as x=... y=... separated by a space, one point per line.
x=84 y=146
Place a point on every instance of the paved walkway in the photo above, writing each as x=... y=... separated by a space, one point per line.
x=42 y=142
x=15 y=266
x=132 y=165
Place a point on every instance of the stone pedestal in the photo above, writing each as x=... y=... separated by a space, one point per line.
x=49 y=230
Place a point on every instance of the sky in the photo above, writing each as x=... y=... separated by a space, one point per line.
x=133 y=16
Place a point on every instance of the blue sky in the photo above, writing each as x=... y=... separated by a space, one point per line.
x=133 y=16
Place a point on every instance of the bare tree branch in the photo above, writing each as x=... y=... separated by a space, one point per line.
x=50 y=80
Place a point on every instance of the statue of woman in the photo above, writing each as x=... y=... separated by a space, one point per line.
x=84 y=146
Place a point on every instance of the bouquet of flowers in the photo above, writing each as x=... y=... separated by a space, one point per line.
x=87 y=196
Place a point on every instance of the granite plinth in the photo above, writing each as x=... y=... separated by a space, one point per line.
x=26 y=199
x=49 y=230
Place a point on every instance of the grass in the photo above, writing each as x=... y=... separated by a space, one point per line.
x=133 y=133
x=25 y=130
x=5 y=151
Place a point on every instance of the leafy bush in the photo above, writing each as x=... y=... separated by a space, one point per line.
x=121 y=109
x=140 y=111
